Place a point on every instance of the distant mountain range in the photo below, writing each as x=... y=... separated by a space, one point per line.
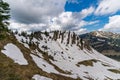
x=107 y=43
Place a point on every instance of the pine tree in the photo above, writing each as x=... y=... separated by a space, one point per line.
x=46 y=33
x=22 y=40
x=74 y=38
x=62 y=34
x=55 y=35
x=59 y=34
x=23 y=33
x=4 y=15
x=38 y=35
x=78 y=41
x=16 y=32
x=68 y=39
x=81 y=42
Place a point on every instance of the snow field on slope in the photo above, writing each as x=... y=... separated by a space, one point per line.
x=41 y=63
x=38 y=77
x=13 y=52
x=66 y=57
x=66 y=64
x=20 y=38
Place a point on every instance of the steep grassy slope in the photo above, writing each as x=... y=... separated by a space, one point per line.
x=13 y=71
x=55 y=55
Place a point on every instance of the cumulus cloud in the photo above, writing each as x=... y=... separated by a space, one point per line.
x=27 y=27
x=108 y=7
x=82 y=31
x=86 y=12
x=113 y=25
x=35 y=11
x=73 y=21
x=65 y=21
x=28 y=15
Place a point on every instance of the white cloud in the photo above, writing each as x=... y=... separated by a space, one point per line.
x=35 y=11
x=72 y=21
x=81 y=31
x=113 y=25
x=108 y=7
x=65 y=21
x=86 y=12
x=35 y=15
x=27 y=27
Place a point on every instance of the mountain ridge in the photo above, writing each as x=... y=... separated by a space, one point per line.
x=107 y=43
x=57 y=55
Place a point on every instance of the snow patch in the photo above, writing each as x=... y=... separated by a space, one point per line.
x=41 y=63
x=14 y=53
x=20 y=38
x=66 y=56
x=38 y=77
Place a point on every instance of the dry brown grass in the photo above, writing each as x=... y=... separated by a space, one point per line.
x=114 y=71
x=13 y=71
x=86 y=62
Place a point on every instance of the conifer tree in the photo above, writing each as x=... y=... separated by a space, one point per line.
x=59 y=34
x=4 y=15
x=62 y=34
x=78 y=41
x=74 y=38
x=55 y=35
x=46 y=33
x=68 y=39
x=81 y=42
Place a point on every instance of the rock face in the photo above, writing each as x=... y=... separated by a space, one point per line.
x=57 y=55
x=107 y=43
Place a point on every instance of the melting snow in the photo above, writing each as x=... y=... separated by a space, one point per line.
x=20 y=38
x=73 y=54
x=45 y=66
x=38 y=77
x=66 y=57
x=14 y=53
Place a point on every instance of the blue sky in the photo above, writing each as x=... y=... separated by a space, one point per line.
x=80 y=16
x=79 y=5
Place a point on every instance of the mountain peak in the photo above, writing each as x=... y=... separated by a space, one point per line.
x=105 y=34
x=107 y=43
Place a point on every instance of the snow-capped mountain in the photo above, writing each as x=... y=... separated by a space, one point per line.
x=54 y=55
x=107 y=43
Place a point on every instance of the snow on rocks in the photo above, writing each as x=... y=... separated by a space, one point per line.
x=14 y=53
x=38 y=77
